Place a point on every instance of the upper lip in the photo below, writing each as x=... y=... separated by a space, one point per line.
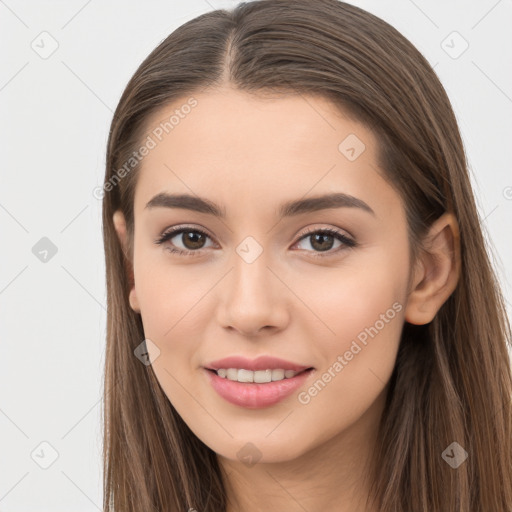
x=260 y=363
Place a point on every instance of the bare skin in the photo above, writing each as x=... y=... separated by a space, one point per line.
x=249 y=155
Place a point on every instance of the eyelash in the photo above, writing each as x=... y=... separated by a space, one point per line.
x=347 y=242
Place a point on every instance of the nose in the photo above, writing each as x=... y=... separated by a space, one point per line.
x=253 y=298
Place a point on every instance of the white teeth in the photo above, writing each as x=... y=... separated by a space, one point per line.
x=259 y=376
x=232 y=373
x=245 y=376
x=278 y=374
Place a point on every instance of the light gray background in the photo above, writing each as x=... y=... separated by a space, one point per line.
x=55 y=114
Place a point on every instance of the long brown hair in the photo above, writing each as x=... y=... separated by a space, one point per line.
x=452 y=380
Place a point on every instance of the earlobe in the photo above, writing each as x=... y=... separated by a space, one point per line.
x=437 y=273
x=134 y=303
x=120 y=227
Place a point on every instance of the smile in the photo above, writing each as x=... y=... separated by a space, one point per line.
x=252 y=394
x=259 y=376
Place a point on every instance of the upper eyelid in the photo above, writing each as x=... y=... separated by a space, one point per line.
x=309 y=231
x=175 y=230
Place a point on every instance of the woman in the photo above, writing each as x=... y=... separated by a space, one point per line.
x=301 y=311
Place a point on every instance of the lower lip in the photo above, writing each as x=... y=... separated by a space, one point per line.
x=256 y=395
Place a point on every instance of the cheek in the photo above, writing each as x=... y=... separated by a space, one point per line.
x=172 y=303
x=364 y=310
x=169 y=295
x=360 y=303
x=173 y=318
x=353 y=297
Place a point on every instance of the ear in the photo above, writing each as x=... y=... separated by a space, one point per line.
x=437 y=271
x=120 y=227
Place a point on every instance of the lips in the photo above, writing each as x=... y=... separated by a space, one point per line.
x=257 y=395
x=260 y=363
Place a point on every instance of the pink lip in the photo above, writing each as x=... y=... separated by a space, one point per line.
x=260 y=363
x=255 y=395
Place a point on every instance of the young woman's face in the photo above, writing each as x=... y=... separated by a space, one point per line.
x=264 y=280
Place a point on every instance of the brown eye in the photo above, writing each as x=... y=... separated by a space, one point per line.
x=323 y=240
x=193 y=239
x=187 y=240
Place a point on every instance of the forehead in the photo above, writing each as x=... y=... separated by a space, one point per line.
x=277 y=126
x=238 y=148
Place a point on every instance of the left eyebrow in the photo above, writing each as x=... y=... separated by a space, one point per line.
x=325 y=202
x=288 y=209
